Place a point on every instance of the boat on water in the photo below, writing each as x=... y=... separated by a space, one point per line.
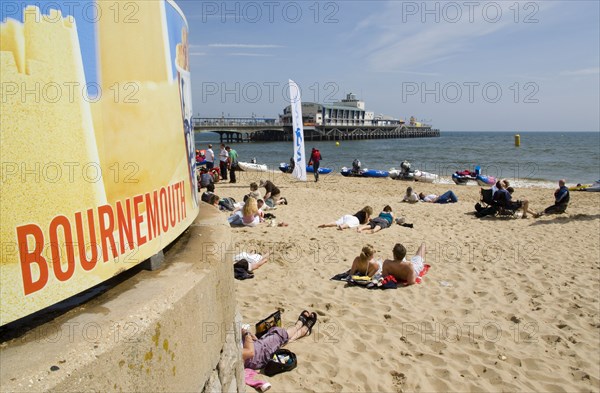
x=286 y=168
x=406 y=173
x=252 y=167
x=364 y=173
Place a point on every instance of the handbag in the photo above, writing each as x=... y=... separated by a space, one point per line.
x=281 y=361
x=263 y=326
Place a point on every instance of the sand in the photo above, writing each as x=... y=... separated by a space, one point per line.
x=508 y=304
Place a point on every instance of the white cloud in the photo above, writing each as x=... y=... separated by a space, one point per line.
x=405 y=40
x=582 y=72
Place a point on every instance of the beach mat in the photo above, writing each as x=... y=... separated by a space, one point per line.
x=345 y=276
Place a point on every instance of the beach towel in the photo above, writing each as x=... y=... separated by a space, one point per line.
x=249 y=375
x=423 y=272
x=345 y=276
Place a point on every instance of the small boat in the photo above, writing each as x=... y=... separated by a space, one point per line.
x=251 y=167
x=285 y=168
x=594 y=187
x=463 y=177
x=424 y=177
x=404 y=173
x=364 y=173
x=484 y=180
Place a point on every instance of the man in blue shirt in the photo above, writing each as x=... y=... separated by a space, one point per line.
x=503 y=198
x=561 y=200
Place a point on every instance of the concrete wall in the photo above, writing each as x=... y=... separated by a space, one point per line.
x=168 y=330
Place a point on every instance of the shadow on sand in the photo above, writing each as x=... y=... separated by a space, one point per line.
x=566 y=219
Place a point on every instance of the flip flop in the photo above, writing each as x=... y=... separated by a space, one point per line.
x=310 y=322
x=302 y=318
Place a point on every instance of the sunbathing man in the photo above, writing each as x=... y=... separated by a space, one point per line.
x=257 y=352
x=447 y=197
x=384 y=220
x=404 y=270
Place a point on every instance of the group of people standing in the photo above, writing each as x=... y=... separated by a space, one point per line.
x=228 y=161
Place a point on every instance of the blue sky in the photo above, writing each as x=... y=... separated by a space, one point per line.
x=473 y=66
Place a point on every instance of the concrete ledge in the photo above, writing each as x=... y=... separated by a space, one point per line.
x=159 y=331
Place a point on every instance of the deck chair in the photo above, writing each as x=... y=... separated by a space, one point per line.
x=489 y=207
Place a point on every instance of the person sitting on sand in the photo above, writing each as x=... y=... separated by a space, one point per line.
x=410 y=196
x=206 y=180
x=503 y=198
x=260 y=204
x=404 y=270
x=248 y=216
x=272 y=192
x=365 y=264
x=561 y=200
x=257 y=352
x=254 y=193
x=447 y=197
x=384 y=220
x=361 y=217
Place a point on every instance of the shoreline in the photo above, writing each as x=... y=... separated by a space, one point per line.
x=497 y=311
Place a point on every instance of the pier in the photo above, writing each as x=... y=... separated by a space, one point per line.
x=238 y=130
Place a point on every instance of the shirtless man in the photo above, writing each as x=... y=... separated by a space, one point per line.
x=404 y=270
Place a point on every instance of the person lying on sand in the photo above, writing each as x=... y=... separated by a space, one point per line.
x=447 y=197
x=254 y=260
x=404 y=270
x=384 y=220
x=257 y=352
x=365 y=264
x=361 y=217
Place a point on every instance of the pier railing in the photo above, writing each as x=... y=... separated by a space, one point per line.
x=236 y=130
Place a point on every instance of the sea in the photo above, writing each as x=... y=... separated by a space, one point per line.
x=541 y=159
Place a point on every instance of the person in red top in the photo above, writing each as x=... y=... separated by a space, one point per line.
x=315 y=159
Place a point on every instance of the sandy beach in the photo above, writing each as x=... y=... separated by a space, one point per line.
x=508 y=304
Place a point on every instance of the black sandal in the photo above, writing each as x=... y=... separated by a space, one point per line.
x=310 y=322
x=302 y=318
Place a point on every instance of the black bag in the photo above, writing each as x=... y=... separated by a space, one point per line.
x=205 y=197
x=488 y=211
x=281 y=361
x=262 y=327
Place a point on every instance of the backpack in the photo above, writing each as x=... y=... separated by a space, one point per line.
x=281 y=361
x=227 y=203
x=205 y=197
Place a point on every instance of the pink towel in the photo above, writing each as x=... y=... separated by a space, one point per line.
x=249 y=375
x=423 y=272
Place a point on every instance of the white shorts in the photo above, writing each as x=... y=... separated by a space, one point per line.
x=418 y=264
x=349 y=220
